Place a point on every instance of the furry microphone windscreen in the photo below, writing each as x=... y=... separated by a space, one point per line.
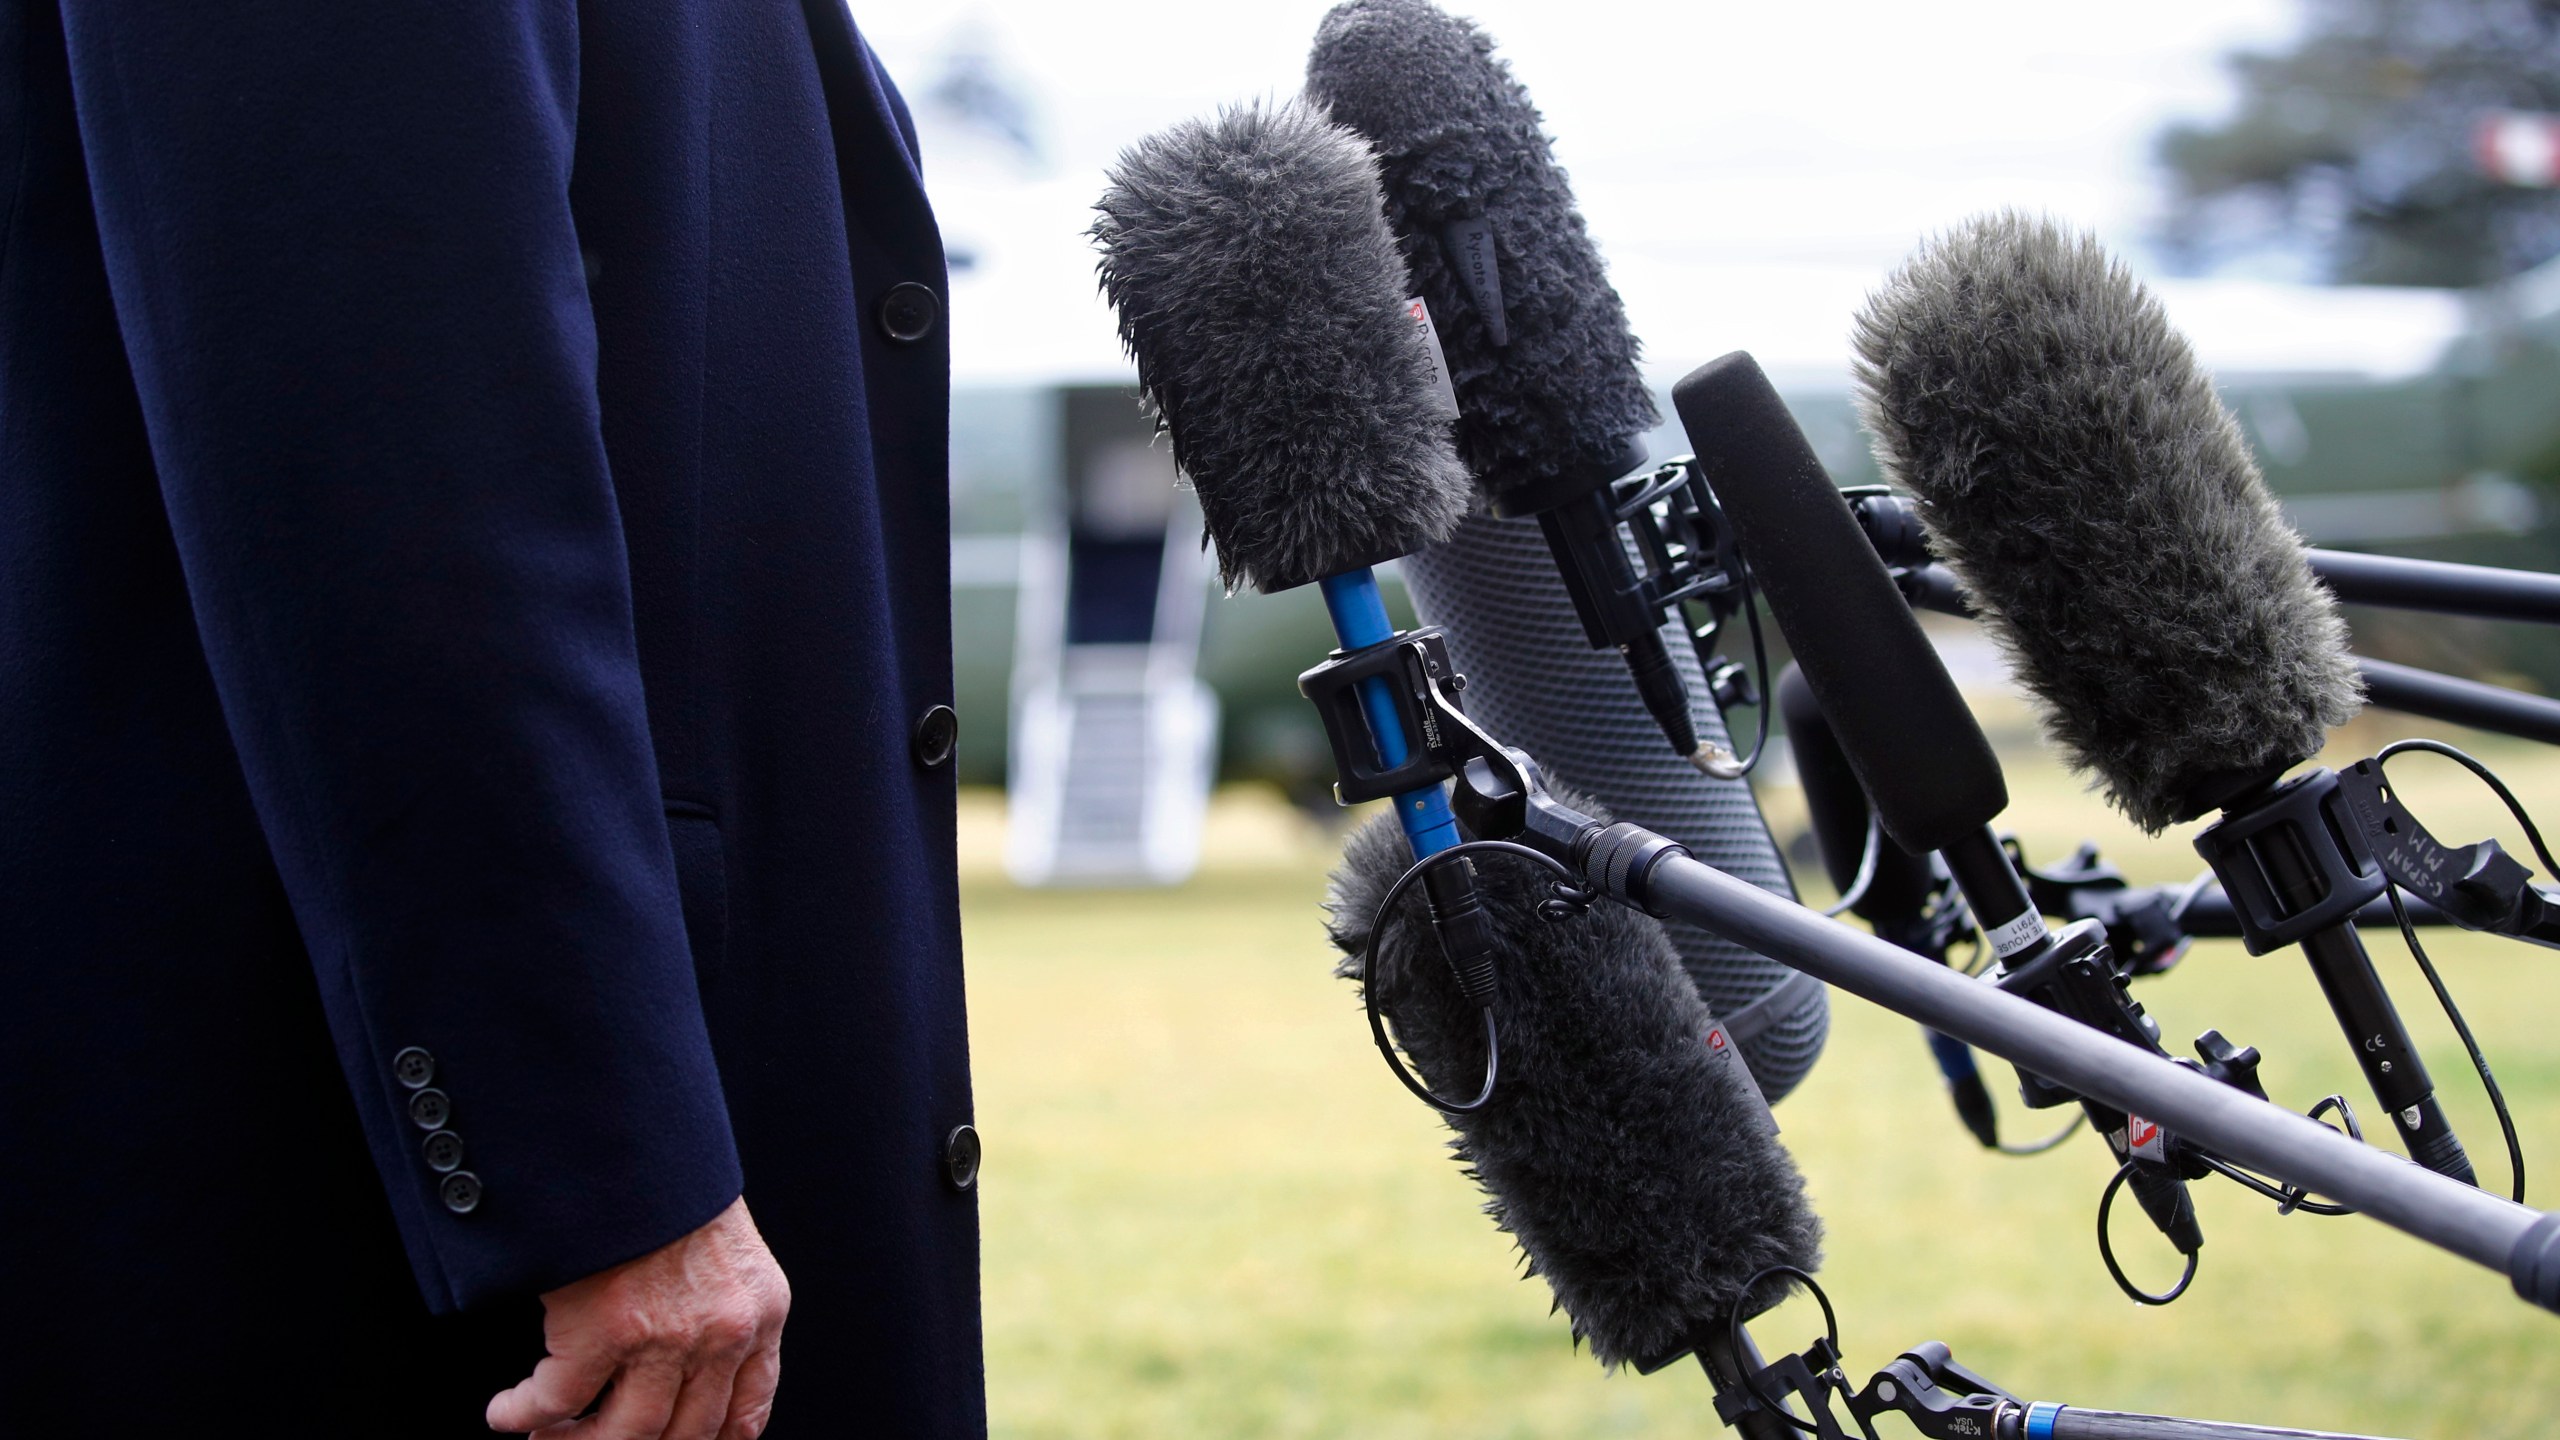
x=1261 y=295
x=1637 y=1171
x=1537 y=341
x=2077 y=471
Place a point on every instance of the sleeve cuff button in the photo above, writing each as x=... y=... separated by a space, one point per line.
x=443 y=1150
x=413 y=1067
x=429 y=1109
x=460 y=1192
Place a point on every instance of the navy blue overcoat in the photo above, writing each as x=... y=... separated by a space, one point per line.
x=473 y=598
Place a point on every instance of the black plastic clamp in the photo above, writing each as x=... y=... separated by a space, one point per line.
x=2309 y=816
x=1406 y=666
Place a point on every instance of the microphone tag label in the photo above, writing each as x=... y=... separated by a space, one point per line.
x=2007 y=940
x=1471 y=253
x=2144 y=1140
x=1722 y=1051
x=1441 y=389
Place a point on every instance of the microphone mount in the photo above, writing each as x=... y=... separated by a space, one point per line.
x=2298 y=864
x=1636 y=548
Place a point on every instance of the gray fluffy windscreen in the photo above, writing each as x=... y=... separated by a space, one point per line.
x=2077 y=471
x=1261 y=295
x=1459 y=139
x=1636 y=1172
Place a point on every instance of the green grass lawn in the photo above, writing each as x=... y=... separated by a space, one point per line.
x=1209 y=1210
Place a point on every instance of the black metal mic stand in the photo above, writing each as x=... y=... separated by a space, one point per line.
x=2456 y=701
x=2483 y=592
x=1892 y=525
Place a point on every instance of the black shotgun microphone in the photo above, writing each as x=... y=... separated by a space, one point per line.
x=1914 y=746
x=1629 y=1155
x=1550 y=406
x=1918 y=753
x=2076 y=470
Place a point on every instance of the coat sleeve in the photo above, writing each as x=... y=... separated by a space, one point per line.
x=343 y=261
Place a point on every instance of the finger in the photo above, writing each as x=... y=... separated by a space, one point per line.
x=704 y=1402
x=557 y=1390
x=711 y=1371
x=644 y=1396
x=751 y=1398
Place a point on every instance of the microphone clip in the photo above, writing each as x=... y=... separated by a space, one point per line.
x=2294 y=858
x=1419 y=683
x=1499 y=795
x=1688 y=548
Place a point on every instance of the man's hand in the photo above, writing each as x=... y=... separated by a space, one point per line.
x=690 y=1336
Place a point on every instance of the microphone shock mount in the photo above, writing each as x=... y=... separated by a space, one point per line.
x=1637 y=547
x=2297 y=864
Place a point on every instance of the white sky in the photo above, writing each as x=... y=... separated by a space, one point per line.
x=1749 y=170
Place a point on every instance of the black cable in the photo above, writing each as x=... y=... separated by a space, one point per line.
x=1866 y=876
x=1979 y=961
x=1733 y=1334
x=2427 y=967
x=1569 y=898
x=1760 y=672
x=2489 y=778
x=2106 y=1252
x=2461 y=1027
x=2290 y=1198
x=2287 y=1201
x=2038 y=1147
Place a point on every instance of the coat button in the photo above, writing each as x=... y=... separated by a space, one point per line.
x=460 y=1192
x=908 y=312
x=443 y=1150
x=937 y=731
x=429 y=1109
x=413 y=1067
x=960 y=1157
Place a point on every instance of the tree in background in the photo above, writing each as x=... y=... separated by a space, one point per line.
x=2354 y=150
